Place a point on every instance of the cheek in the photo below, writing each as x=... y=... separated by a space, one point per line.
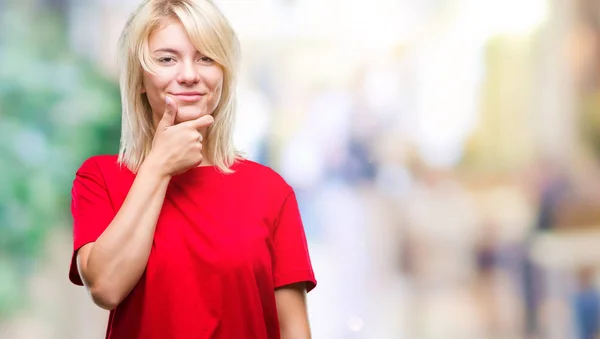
x=154 y=83
x=218 y=92
x=216 y=80
x=154 y=87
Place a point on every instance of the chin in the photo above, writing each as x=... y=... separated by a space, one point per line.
x=189 y=113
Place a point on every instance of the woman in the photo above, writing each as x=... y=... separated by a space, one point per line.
x=178 y=236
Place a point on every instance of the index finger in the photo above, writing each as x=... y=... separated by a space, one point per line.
x=204 y=121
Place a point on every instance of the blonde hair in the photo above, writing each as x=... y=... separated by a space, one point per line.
x=212 y=34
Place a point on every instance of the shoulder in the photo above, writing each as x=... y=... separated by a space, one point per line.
x=100 y=161
x=254 y=172
x=105 y=164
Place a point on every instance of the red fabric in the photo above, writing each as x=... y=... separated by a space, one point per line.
x=222 y=244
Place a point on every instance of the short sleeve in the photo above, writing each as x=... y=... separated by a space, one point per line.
x=291 y=262
x=91 y=210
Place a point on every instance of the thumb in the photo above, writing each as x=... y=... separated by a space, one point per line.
x=168 y=118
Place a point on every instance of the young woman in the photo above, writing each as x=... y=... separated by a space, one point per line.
x=177 y=235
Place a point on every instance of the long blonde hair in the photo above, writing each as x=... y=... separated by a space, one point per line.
x=211 y=33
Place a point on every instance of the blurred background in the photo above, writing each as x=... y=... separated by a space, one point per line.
x=445 y=154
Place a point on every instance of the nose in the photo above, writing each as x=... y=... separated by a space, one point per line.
x=188 y=74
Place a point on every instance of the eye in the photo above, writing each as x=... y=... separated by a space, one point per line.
x=206 y=59
x=166 y=59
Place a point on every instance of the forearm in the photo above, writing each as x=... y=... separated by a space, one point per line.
x=296 y=327
x=291 y=334
x=119 y=256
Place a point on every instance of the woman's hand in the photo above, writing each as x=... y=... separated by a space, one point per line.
x=177 y=147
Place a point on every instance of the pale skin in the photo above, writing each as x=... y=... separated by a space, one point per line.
x=183 y=93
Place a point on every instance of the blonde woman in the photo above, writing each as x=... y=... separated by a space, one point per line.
x=177 y=235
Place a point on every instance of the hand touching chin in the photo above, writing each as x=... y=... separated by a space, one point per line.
x=190 y=113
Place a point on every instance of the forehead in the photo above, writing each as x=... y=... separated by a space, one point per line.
x=172 y=34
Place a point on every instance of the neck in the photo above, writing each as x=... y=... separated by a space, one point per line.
x=205 y=159
x=205 y=163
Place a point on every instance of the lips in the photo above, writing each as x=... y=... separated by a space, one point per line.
x=188 y=96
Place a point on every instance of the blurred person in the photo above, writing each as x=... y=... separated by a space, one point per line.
x=552 y=189
x=492 y=285
x=179 y=236
x=586 y=306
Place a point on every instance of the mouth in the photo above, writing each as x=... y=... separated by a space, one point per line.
x=188 y=96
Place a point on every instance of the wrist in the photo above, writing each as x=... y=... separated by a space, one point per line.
x=154 y=167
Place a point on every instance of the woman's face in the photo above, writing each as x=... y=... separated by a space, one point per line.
x=191 y=79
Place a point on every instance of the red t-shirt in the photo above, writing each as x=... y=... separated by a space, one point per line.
x=222 y=244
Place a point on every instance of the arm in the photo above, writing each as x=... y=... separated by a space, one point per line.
x=292 y=270
x=112 y=265
x=291 y=311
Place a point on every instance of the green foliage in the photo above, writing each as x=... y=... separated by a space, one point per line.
x=56 y=109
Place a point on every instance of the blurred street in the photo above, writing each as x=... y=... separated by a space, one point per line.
x=445 y=156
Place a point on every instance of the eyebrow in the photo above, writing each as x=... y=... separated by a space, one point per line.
x=167 y=50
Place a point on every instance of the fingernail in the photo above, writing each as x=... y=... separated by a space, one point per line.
x=167 y=100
